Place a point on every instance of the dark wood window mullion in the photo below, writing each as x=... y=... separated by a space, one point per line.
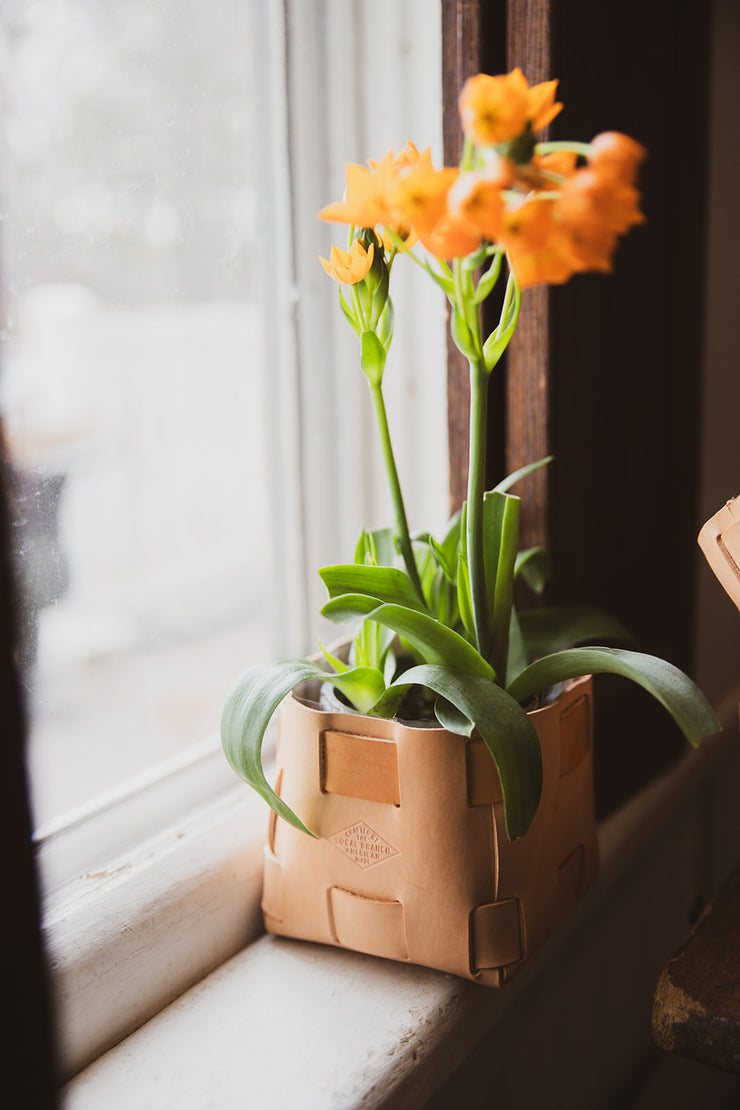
x=528 y=356
x=473 y=40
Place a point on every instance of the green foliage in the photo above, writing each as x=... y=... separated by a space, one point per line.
x=531 y=650
x=449 y=604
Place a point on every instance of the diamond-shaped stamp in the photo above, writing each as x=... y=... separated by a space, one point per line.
x=363 y=845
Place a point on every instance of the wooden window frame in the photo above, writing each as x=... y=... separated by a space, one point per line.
x=605 y=373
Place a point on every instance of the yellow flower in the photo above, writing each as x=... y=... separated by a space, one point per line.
x=349 y=267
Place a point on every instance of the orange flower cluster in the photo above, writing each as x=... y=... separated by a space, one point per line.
x=552 y=217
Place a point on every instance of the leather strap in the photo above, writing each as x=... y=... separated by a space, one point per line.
x=359 y=767
x=495 y=934
x=575 y=734
x=368 y=924
x=569 y=882
x=484 y=785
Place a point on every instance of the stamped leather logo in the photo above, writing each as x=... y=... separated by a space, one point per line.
x=363 y=845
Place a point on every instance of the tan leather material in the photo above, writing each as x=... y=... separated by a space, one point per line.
x=575 y=734
x=440 y=855
x=359 y=767
x=273 y=816
x=368 y=924
x=719 y=539
x=272 y=886
x=484 y=785
x=569 y=879
x=495 y=935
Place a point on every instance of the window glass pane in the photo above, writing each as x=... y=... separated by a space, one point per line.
x=190 y=432
x=131 y=373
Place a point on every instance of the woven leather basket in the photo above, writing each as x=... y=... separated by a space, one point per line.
x=412 y=861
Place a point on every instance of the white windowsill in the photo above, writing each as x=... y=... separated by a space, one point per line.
x=287 y=1023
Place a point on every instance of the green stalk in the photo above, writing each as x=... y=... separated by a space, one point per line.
x=402 y=528
x=476 y=489
x=584 y=149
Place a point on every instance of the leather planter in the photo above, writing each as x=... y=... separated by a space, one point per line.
x=412 y=861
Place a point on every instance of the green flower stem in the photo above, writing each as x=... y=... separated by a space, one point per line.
x=358 y=308
x=584 y=149
x=402 y=528
x=476 y=489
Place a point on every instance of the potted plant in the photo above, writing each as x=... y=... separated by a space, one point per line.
x=434 y=797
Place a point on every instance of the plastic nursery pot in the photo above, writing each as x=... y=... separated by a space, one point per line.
x=412 y=861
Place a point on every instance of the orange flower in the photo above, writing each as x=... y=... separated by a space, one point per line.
x=419 y=197
x=475 y=199
x=595 y=210
x=366 y=198
x=617 y=155
x=534 y=174
x=497 y=109
x=494 y=109
x=538 y=249
x=450 y=238
x=541 y=105
x=363 y=204
x=349 y=267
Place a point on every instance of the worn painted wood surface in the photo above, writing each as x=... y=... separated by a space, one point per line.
x=286 y=1023
x=697 y=1001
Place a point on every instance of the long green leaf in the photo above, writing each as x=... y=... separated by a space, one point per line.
x=349 y=607
x=673 y=689
x=464 y=599
x=506 y=730
x=386 y=584
x=434 y=643
x=558 y=627
x=517 y=660
x=535 y=566
x=517 y=475
x=250 y=706
x=501 y=539
x=376 y=548
x=451 y=539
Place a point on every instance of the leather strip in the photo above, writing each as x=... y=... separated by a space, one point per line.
x=575 y=734
x=360 y=767
x=495 y=934
x=569 y=881
x=368 y=924
x=484 y=785
x=272 y=886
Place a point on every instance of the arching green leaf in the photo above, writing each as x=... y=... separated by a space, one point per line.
x=535 y=566
x=253 y=700
x=506 y=730
x=386 y=584
x=433 y=642
x=558 y=627
x=673 y=689
x=516 y=475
